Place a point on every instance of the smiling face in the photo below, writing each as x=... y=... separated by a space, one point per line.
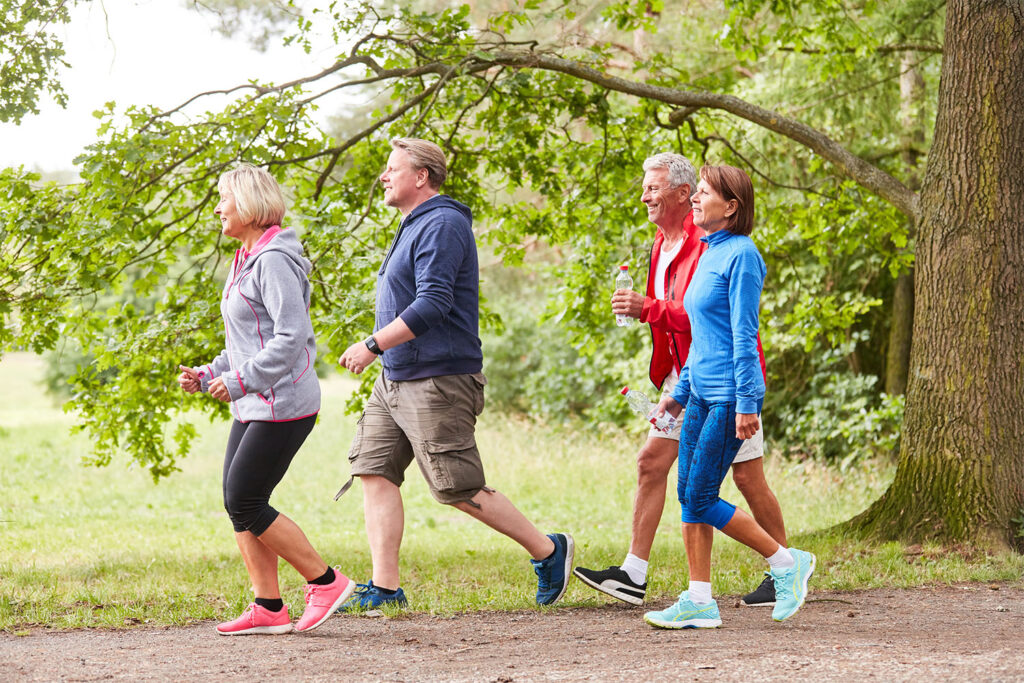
x=666 y=205
x=711 y=211
x=403 y=184
x=231 y=223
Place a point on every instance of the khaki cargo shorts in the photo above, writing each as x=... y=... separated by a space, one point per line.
x=430 y=420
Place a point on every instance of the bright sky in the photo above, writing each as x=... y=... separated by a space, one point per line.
x=138 y=52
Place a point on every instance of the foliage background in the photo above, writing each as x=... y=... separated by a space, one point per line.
x=549 y=164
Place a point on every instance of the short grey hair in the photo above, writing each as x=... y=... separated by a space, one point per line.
x=257 y=195
x=425 y=154
x=680 y=170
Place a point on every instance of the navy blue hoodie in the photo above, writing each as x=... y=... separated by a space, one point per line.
x=430 y=279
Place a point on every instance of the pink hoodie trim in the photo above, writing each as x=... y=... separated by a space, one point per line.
x=270 y=234
x=303 y=369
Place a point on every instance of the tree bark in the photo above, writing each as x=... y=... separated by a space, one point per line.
x=961 y=466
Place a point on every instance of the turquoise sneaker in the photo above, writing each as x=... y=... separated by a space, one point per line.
x=686 y=614
x=791 y=585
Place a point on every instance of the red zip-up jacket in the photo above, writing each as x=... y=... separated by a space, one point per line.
x=670 y=326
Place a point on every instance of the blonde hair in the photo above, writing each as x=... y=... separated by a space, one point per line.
x=425 y=154
x=257 y=195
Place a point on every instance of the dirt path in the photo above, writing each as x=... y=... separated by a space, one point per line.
x=971 y=633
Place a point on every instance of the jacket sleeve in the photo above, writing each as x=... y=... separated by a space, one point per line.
x=746 y=278
x=217 y=366
x=668 y=316
x=282 y=295
x=681 y=392
x=437 y=258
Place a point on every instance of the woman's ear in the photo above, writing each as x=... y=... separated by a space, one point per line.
x=731 y=207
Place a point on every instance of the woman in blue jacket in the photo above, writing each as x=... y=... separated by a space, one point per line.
x=722 y=389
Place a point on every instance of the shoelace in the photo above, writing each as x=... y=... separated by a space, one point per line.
x=542 y=577
x=310 y=590
x=362 y=589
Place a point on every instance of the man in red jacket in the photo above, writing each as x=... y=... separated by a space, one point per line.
x=669 y=180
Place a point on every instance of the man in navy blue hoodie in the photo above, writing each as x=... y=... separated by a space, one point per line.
x=425 y=403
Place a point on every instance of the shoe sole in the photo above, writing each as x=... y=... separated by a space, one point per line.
x=259 y=631
x=345 y=594
x=807 y=577
x=610 y=588
x=758 y=604
x=360 y=609
x=692 y=623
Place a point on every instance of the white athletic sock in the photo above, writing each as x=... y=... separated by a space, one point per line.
x=635 y=568
x=782 y=559
x=699 y=592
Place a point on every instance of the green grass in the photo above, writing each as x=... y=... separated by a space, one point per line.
x=81 y=546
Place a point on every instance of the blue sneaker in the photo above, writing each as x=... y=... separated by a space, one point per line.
x=791 y=585
x=686 y=614
x=368 y=596
x=553 y=572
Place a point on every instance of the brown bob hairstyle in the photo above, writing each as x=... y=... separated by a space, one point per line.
x=732 y=183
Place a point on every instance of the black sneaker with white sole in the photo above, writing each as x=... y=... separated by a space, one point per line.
x=614 y=582
x=763 y=595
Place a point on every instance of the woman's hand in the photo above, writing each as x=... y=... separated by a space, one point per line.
x=747 y=425
x=219 y=391
x=627 y=302
x=188 y=380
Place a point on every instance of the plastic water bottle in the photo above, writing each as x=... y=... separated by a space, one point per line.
x=639 y=402
x=623 y=281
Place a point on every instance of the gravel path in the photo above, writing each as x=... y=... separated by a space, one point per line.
x=966 y=633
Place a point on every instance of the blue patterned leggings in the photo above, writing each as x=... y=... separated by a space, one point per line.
x=706 y=450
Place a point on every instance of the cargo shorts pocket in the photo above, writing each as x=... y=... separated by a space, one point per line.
x=452 y=467
x=357 y=441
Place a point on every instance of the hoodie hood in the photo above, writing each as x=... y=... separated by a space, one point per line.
x=275 y=239
x=435 y=203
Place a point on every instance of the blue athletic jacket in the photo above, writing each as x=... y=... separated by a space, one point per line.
x=722 y=302
x=430 y=279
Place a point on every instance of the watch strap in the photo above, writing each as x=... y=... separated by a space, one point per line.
x=371 y=344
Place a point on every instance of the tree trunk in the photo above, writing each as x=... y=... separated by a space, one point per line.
x=912 y=94
x=961 y=466
x=897 y=362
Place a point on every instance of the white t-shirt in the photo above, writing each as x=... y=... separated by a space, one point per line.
x=664 y=260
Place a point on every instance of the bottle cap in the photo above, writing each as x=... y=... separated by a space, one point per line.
x=623 y=267
x=625 y=390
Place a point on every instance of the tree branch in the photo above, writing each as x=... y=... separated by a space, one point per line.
x=867 y=175
x=881 y=49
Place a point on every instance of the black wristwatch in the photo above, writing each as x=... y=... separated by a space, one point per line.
x=371 y=344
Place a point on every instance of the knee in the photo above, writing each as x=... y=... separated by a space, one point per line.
x=652 y=467
x=749 y=481
x=242 y=510
x=714 y=512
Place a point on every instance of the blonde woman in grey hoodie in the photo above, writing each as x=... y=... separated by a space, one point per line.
x=266 y=373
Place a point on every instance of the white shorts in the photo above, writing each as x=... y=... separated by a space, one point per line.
x=752 y=448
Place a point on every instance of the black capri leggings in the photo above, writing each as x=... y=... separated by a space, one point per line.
x=257 y=457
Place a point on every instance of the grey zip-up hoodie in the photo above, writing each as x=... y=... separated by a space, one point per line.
x=267 y=363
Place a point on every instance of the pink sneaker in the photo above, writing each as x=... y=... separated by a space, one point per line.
x=322 y=601
x=256 y=620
